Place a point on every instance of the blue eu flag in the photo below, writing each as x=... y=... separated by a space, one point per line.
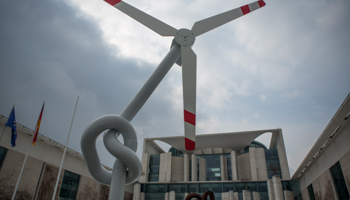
x=11 y=122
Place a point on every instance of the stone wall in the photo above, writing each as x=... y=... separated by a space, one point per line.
x=9 y=174
x=88 y=189
x=48 y=182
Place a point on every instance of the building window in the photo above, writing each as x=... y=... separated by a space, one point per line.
x=339 y=181
x=213 y=166
x=69 y=187
x=154 y=196
x=272 y=163
x=175 y=152
x=155 y=188
x=295 y=186
x=229 y=168
x=2 y=155
x=179 y=196
x=254 y=144
x=151 y=190
x=178 y=188
x=154 y=162
x=311 y=192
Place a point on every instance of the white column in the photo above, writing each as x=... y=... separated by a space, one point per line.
x=235 y=196
x=277 y=187
x=137 y=191
x=231 y=196
x=142 y=196
x=186 y=194
x=186 y=167
x=172 y=195
x=270 y=189
x=256 y=195
x=234 y=166
x=225 y=196
x=166 y=196
x=223 y=168
x=165 y=167
x=194 y=167
x=246 y=195
x=253 y=167
x=202 y=169
x=145 y=166
x=168 y=165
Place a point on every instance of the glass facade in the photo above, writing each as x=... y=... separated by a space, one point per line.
x=229 y=169
x=69 y=187
x=295 y=186
x=2 y=155
x=213 y=174
x=272 y=163
x=254 y=144
x=175 y=152
x=339 y=181
x=156 y=191
x=311 y=192
x=154 y=162
x=213 y=166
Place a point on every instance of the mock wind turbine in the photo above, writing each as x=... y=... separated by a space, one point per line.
x=185 y=39
x=127 y=167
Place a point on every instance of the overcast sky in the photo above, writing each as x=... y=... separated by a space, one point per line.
x=285 y=65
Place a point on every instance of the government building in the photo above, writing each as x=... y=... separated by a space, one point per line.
x=234 y=166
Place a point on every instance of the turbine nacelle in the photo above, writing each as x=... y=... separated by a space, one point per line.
x=184 y=37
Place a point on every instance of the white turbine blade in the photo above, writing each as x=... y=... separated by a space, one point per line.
x=189 y=69
x=210 y=23
x=154 y=24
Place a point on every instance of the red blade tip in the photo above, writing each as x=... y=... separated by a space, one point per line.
x=189 y=144
x=261 y=3
x=113 y=2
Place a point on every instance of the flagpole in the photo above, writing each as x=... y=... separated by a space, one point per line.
x=3 y=131
x=64 y=152
x=24 y=163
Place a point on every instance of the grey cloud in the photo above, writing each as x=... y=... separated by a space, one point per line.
x=54 y=52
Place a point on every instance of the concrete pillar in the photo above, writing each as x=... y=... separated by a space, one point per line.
x=235 y=196
x=277 y=187
x=261 y=166
x=253 y=167
x=172 y=195
x=282 y=155
x=186 y=194
x=256 y=195
x=225 y=196
x=186 y=167
x=137 y=192
x=142 y=196
x=202 y=169
x=234 y=166
x=246 y=195
x=145 y=166
x=165 y=167
x=230 y=195
x=223 y=167
x=288 y=195
x=194 y=167
x=166 y=196
x=270 y=189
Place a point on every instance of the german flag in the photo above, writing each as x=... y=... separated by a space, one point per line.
x=38 y=124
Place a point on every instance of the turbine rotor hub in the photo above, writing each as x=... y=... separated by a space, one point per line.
x=184 y=37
